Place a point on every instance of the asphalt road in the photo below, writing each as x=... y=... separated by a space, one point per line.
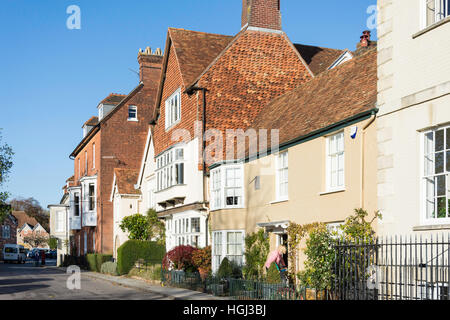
x=26 y=282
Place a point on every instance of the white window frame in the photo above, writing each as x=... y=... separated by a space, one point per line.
x=439 y=15
x=425 y=177
x=329 y=161
x=170 y=167
x=279 y=169
x=60 y=221
x=173 y=109
x=220 y=188
x=135 y=109
x=92 y=198
x=220 y=243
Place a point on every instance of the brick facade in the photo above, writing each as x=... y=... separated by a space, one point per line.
x=119 y=143
x=261 y=14
x=11 y=222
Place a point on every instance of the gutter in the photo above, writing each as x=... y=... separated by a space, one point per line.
x=190 y=91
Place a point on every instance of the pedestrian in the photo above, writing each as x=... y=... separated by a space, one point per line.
x=276 y=257
x=36 y=258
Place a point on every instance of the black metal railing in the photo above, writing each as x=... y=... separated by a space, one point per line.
x=394 y=268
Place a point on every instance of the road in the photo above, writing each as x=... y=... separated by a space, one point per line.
x=26 y=282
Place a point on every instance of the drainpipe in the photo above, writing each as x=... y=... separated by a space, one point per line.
x=372 y=119
x=190 y=91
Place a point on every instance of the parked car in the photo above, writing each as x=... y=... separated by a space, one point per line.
x=14 y=252
x=50 y=254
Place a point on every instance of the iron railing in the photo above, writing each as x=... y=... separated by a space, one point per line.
x=394 y=268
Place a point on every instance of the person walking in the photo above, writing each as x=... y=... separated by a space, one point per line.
x=276 y=257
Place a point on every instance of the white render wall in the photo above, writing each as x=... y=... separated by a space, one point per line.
x=413 y=95
x=123 y=206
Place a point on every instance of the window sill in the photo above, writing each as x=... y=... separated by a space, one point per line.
x=133 y=120
x=166 y=189
x=432 y=227
x=332 y=192
x=223 y=209
x=431 y=27
x=279 y=201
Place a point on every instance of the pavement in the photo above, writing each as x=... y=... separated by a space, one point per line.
x=26 y=282
x=137 y=284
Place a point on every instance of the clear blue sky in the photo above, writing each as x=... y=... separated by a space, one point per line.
x=52 y=78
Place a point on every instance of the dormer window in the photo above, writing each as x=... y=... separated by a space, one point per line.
x=103 y=110
x=173 y=109
x=132 y=113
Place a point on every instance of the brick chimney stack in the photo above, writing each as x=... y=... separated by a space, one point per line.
x=365 y=38
x=365 y=43
x=150 y=64
x=261 y=14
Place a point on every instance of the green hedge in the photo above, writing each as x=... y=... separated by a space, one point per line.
x=109 y=268
x=95 y=261
x=132 y=250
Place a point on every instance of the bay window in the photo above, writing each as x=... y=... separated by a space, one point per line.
x=227 y=187
x=91 y=196
x=170 y=169
x=436 y=173
x=335 y=162
x=436 y=10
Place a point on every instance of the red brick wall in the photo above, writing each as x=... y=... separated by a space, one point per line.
x=257 y=68
x=189 y=107
x=261 y=13
x=119 y=144
x=13 y=233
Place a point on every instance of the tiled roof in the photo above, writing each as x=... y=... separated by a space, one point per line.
x=318 y=58
x=196 y=50
x=113 y=98
x=126 y=179
x=23 y=218
x=93 y=121
x=334 y=95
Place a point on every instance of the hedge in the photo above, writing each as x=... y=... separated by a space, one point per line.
x=109 y=268
x=95 y=261
x=132 y=250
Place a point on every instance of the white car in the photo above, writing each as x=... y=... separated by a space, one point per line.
x=14 y=252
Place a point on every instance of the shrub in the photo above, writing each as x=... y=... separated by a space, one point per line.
x=201 y=259
x=92 y=262
x=229 y=269
x=136 y=226
x=320 y=260
x=109 y=267
x=225 y=269
x=256 y=250
x=101 y=259
x=273 y=275
x=95 y=261
x=180 y=258
x=132 y=250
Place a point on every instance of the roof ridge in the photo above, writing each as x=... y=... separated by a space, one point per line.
x=201 y=32
x=310 y=45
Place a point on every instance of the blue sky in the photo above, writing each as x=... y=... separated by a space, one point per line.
x=52 y=78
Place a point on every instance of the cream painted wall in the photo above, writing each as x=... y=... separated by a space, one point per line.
x=413 y=95
x=307 y=183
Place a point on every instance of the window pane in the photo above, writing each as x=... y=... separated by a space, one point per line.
x=439 y=162
x=340 y=142
x=442 y=211
x=448 y=161
x=429 y=143
x=441 y=189
x=439 y=146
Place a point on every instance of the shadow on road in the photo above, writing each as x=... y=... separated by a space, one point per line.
x=10 y=282
x=22 y=288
